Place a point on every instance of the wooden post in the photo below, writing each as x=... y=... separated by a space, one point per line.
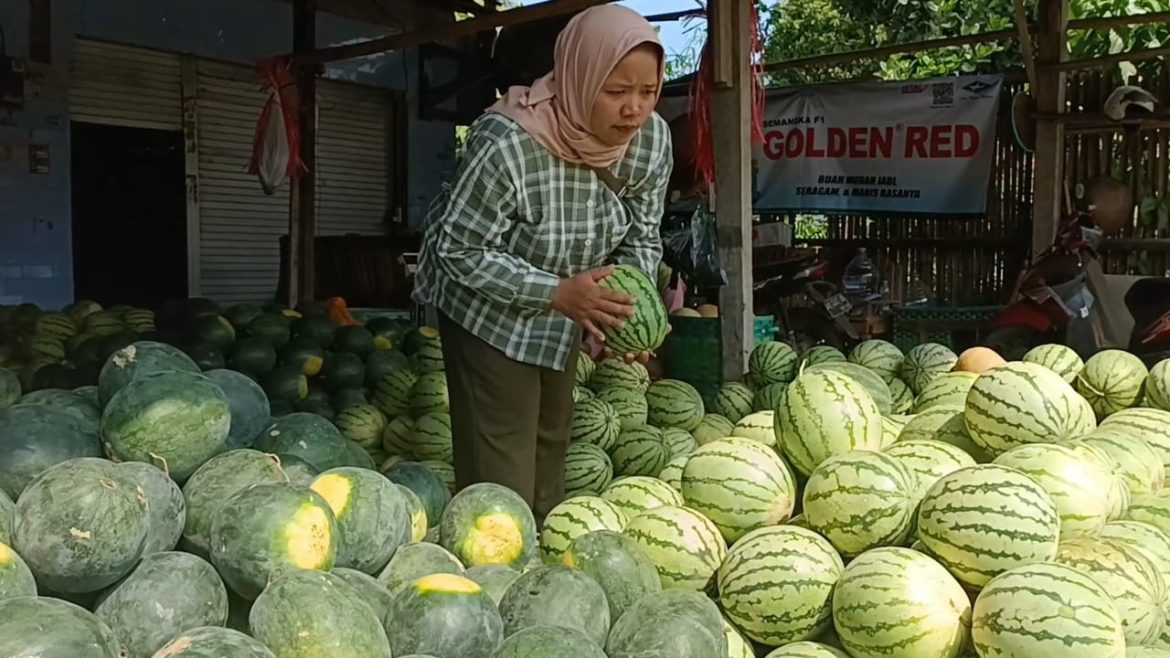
x=1051 y=82
x=302 y=220
x=731 y=115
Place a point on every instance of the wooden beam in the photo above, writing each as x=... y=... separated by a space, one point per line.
x=676 y=15
x=886 y=51
x=1024 y=36
x=189 y=85
x=489 y=21
x=302 y=226
x=1052 y=49
x=1104 y=61
x=731 y=117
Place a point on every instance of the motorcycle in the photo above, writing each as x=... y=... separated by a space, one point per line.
x=824 y=322
x=1148 y=302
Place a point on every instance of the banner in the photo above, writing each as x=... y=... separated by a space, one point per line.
x=922 y=147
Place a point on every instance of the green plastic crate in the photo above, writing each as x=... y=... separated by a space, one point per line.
x=953 y=326
x=693 y=351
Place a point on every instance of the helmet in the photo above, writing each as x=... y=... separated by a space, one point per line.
x=1128 y=101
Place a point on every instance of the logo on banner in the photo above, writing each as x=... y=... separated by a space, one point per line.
x=943 y=94
x=913 y=89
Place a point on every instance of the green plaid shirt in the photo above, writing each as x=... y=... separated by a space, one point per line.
x=519 y=219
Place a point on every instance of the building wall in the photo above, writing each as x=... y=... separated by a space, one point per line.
x=35 y=215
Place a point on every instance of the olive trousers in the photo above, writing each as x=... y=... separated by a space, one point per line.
x=510 y=421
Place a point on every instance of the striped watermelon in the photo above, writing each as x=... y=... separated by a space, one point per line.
x=712 y=428
x=645 y=331
x=1151 y=425
x=637 y=494
x=393 y=394
x=588 y=470
x=891 y=428
x=806 y=650
x=949 y=388
x=1129 y=576
x=1046 y=610
x=639 y=450
x=630 y=405
x=823 y=414
x=733 y=402
x=869 y=380
x=428 y=353
x=773 y=362
x=1144 y=537
x=1074 y=478
x=685 y=546
x=758 y=426
x=429 y=394
x=55 y=325
x=860 y=500
x=680 y=442
x=575 y=517
x=581 y=393
x=1152 y=508
x=672 y=474
x=901 y=398
x=925 y=362
x=928 y=460
x=880 y=356
x=1020 y=403
x=882 y=608
x=595 y=421
x=674 y=403
x=1120 y=498
x=739 y=484
x=444 y=470
x=617 y=373
x=398 y=436
x=432 y=438
x=1112 y=380
x=738 y=646
x=768 y=397
x=777 y=584
x=1130 y=457
x=1158 y=386
x=585 y=369
x=363 y=424
x=1061 y=359
x=983 y=520
x=822 y=354
x=954 y=431
x=926 y=425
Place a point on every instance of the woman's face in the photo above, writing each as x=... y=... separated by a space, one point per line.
x=628 y=96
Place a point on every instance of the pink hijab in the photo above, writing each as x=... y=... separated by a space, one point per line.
x=556 y=109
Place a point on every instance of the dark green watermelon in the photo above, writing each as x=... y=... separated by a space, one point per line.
x=109 y=345
x=495 y=579
x=303 y=354
x=297 y=470
x=89 y=393
x=249 y=406
x=357 y=457
x=309 y=613
x=268 y=529
x=285 y=384
x=41 y=627
x=488 y=523
x=67 y=400
x=387 y=332
x=241 y=314
x=312 y=308
x=206 y=356
x=549 y=642
x=343 y=370
x=214 y=642
x=138 y=359
x=166 y=594
x=272 y=328
x=214 y=330
x=369 y=589
x=15 y=577
x=413 y=561
x=317 y=405
x=370 y=514
x=425 y=484
x=672 y=623
x=310 y=437
x=554 y=595
x=216 y=481
x=167 y=508
x=174 y=420
x=618 y=564
x=9 y=388
x=317 y=329
x=7 y=514
x=445 y=615
x=354 y=339
x=53 y=375
x=383 y=362
x=34 y=437
x=253 y=356
x=81 y=525
x=348 y=397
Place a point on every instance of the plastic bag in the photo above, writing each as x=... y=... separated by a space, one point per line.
x=276 y=147
x=691 y=247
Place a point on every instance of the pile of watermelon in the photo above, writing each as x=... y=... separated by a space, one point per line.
x=872 y=504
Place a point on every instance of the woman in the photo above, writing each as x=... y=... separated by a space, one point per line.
x=558 y=181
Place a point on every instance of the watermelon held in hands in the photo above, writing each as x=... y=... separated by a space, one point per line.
x=646 y=330
x=371 y=516
x=213 y=642
x=554 y=595
x=308 y=613
x=487 y=523
x=52 y=628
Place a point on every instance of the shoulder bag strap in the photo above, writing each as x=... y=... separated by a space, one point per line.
x=612 y=182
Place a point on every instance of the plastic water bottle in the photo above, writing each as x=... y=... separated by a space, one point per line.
x=860 y=278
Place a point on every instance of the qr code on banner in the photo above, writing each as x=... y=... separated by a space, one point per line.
x=944 y=93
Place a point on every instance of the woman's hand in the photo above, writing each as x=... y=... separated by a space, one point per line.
x=595 y=308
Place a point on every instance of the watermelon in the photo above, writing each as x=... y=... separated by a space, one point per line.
x=302 y=614
x=432 y=438
x=646 y=330
x=595 y=421
x=398 y=436
x=584 y=369
x=682 y=442
x=733 y=401
x=1112 y=380
x=901 y=397
x=637 y=494
x=7 y=514
x=1020 y=403
x=495 y=579
x=1154 y=543
x=257 y=357
x=757 y=426
x=372 y=592
x=672 y=474
x=174 y=420
x=1157 y=386
x=674 y=403
x=868 y=379
x=269 y=528
x=392 y=395
x=575 y=517
x=89 y=394
x=216 y=481
x=429 y=394
x=880 y=607
x=806 y=650
x=777 y=584
x=425 y=484
x=673 y=624
x=1150 y=425
x=67 y=400
x=823 y=414
x=308 y=436
x=416 y=513
x=548 y=642
x=630 y=405
x=891 y=429
x=588 y=470
x=861 y=500
x=880 y=356
x=773 y=362
x=983 y=520
x=923 y=363
x=823 y=354
x=685 y=546
x=949 y=388
x=34 y=437
x=1061 y=359
x=372 y=518
x=928 y=461
x=581 y=393
x=248 y=403
x=214 y=642
x=1129 y=576
x=428 y=354
x=740 y=485
x=617 y=564
x=555 y=595
x=57 y=325
x=16 y=579
x=487 y=523
x=206 y=356
x=1046 y=610
x=167 y=510
x=1152 y=508
x=712 y=428
x=444 y=615
x=51 y=628
x=137 y=359
x=413 y=561
x=618 y=373
x=639 y=451
x=738 y=646
x=1129 y=456
x=927 y=424
x=363 y=424
x=166 y=594
x=768 y=397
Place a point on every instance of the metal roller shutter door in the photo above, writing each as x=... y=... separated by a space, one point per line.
x=124 y=86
